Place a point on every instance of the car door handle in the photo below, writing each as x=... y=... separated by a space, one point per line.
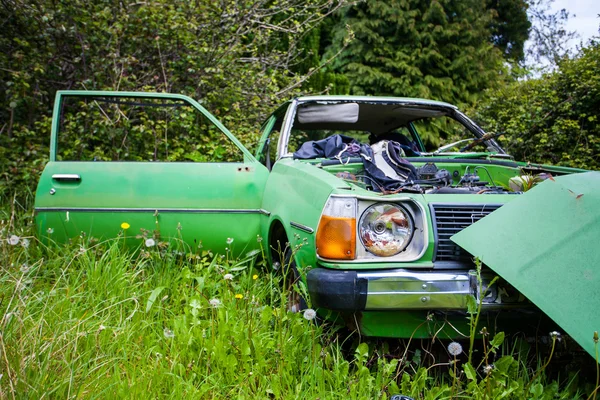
x=66 y=177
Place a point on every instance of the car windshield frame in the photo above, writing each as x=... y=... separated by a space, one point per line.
x=291 y=115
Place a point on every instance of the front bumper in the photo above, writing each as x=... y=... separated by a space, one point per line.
x=401 y=289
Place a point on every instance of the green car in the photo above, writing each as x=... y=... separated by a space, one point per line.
x=342 y=190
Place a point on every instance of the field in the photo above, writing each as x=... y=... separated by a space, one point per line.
x=94 y=320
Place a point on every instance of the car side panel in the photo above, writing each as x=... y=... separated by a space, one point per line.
x=295 y=195
x=199 y=203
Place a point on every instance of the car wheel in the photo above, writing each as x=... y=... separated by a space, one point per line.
x=287 y=269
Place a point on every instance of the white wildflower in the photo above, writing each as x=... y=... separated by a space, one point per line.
x=150 y=242
x=168 y=333
x=488 y=369
x=25 y=242
x=309 y=314
x=215 y=303
x=13 y=240
x=258 y=238
x=228 y=277
x=229 y=240
x=25 y=268
x=556 y=336
x=455 y=348
x=101 y=328
x=50 y=231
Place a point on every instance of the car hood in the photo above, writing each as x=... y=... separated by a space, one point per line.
x=545 y=243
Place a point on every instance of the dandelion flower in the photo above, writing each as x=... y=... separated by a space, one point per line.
x=14 y=240
x=168 y=333
x=455 y=348
x=239 y=296
x=214 y=303
x=229 y=240
x=309 y=314
x=150 y=242
x=255 y=277
x=228 y=277
x=125 y=225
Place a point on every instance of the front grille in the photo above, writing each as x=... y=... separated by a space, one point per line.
x=449 y=219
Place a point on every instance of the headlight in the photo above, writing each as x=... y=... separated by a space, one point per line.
x=385 y=229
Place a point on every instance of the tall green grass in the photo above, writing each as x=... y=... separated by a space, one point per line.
x=92 y=320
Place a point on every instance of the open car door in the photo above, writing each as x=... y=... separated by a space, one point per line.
x=147 y=166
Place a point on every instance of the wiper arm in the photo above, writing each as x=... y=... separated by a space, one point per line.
x=451 y=145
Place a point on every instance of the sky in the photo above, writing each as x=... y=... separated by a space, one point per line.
x=584 y=17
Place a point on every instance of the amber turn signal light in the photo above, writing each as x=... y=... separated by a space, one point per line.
x=336 y=238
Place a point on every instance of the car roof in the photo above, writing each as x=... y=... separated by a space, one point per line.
x=378 y=99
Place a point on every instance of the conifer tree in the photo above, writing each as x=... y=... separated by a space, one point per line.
x=440 y=49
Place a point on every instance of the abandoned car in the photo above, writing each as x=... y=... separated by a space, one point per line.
x=341 y=189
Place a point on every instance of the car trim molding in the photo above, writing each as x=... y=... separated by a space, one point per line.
x=154 y=210
x=301 y=227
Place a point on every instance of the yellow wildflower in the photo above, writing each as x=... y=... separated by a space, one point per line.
x=255 y=277
x=125 y=225
x=239 y=296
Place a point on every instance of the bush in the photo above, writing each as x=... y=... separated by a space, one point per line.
x=553 y=119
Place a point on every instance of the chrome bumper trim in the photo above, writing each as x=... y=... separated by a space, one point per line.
x=394 y=290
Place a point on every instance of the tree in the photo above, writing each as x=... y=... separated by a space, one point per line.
x=554 y=119
x=237 y=56
x=548 y=35
x=432 y=49
x=510 y=27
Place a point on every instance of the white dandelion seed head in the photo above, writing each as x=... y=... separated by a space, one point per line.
x=309 y=314
x=13 y=240
x=150 y=242
x=229 y=240
x=169 y=334
x=454 y=348
x=556 y=336
x=215 y=303
x=228 y=277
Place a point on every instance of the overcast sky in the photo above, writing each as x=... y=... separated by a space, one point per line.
x=585 y=20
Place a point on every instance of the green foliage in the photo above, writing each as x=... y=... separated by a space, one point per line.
x=105 y=128
x=234 y=56
x=510 y=27
x=554 y=119
x=440 y=50
x=90 y=319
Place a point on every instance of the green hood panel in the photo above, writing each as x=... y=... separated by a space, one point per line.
x=546 y=244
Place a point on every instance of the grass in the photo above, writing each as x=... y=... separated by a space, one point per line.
x=90 y=320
